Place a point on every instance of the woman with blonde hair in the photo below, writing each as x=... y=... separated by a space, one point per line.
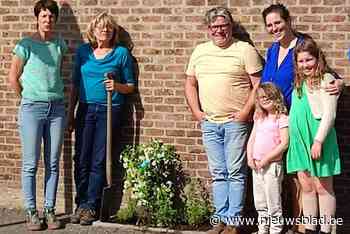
x=101 y=65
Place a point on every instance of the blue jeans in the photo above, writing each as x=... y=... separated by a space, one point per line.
x=90 y=152
x=41 y=121
x=225 y=145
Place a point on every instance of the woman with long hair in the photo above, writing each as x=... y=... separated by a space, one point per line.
x=102 y=65
x=313 y=151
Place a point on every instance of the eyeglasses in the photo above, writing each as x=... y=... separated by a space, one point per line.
x=215 y=28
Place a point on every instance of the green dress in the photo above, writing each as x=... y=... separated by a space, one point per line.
x=302 y=130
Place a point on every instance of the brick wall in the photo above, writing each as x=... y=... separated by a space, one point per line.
x=163 y=32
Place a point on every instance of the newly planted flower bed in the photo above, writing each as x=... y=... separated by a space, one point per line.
x=160 y=195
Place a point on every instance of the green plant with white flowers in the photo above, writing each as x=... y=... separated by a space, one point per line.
x=153 y=178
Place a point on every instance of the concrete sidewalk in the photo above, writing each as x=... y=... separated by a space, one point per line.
x=12 y=221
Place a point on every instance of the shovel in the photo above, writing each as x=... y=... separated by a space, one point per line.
x=108 y=194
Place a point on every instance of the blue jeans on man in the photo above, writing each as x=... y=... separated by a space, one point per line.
x=41 y=121
x=90 y=152
x=225 y=145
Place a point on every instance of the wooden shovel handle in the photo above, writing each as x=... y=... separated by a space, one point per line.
x=109 y=139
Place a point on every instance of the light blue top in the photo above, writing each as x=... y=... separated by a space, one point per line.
x=41 y=77
x=89 y=73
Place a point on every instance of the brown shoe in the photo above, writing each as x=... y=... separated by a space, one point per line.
x=217 y=229
x=230 y=230
x=88 y=216
x=51 y=220
x=33 y=222
x=75 y=217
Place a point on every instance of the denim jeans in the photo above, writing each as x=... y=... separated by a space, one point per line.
x=225 y=145
x=90 y=152
x=41 y=121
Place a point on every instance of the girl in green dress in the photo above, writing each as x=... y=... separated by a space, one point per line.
x=313 y=151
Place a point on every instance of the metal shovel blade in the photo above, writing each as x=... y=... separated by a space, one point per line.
x=107 y=207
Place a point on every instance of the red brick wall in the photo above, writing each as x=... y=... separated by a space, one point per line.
x=164 y=32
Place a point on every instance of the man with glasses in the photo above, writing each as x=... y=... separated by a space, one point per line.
x=221 y=75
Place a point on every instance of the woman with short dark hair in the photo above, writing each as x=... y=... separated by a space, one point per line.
x=35 y=75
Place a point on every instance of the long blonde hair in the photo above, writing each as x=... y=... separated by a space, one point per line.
x=274 y=94
x=310 y=46
x=106 y=20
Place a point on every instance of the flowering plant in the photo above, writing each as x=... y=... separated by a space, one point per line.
x=153 y=173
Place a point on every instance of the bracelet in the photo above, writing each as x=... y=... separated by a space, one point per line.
x=317 y=141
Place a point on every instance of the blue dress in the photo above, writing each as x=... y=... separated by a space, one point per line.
x=282 y=76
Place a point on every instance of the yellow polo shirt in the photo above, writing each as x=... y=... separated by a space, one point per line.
x=222 y=75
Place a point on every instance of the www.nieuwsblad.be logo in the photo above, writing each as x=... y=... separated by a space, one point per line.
x=271 y=220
